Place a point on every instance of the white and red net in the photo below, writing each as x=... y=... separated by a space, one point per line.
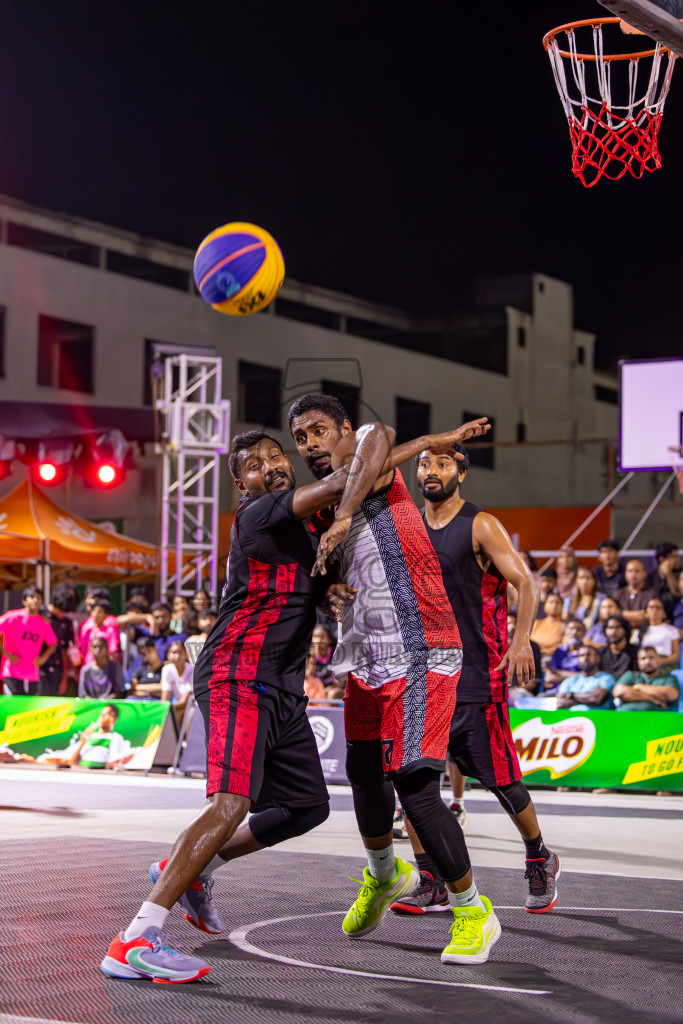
x=614 y=103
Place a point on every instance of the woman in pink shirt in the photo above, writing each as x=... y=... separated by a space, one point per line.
x=100 y=622
x=23 y=634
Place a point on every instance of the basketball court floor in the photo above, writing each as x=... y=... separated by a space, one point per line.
x=75 y=852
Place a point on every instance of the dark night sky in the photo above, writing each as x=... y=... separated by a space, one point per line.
x=393 y=155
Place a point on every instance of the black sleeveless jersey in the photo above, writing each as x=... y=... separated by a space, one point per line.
x=479 y=603
x=267 y=609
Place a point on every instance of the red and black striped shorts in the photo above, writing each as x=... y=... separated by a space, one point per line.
x=260 y=745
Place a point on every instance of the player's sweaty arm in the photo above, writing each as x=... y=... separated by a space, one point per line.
x=493 y=542
x=437 y=443
x=359 y=459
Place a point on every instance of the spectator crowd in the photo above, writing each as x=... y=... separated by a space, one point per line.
x=604 y=638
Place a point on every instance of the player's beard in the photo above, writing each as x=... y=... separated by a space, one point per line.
x=438 y=494
x=278 y=477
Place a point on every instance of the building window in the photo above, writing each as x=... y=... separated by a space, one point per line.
x=521 y=337
x=3 y=319
x=481 y=456
x=580 y=355
x=260 y=395
x=348 y=395
x=413 y=419
x=65 y=354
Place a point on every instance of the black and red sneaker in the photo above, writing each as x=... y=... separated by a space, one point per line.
x=542 y=875
x=427 y=898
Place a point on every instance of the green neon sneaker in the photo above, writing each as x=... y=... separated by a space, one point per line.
x=473 y=932
x=375 y=898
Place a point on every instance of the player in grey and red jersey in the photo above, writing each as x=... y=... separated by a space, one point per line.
x=477 y=560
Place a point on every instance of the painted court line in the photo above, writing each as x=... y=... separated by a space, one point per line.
x=602 y=910
x=239 y=938
x=7 y=1018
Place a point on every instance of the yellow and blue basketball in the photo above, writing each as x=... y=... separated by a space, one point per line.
x=238 y=269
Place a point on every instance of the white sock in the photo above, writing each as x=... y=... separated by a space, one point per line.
x=382 y=864
x=469 y=898
x=150 y=915
x=216 y=862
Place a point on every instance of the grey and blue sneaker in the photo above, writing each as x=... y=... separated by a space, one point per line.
x=195 y=901
x=150 y=956
x=542 y=875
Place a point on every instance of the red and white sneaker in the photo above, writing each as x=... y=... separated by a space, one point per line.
x=542 y=875
x=150 y=956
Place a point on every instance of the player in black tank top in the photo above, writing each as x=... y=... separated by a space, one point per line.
x=477 y=560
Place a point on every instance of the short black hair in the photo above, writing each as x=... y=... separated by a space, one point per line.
x=550 y=573
x=462 y=465
x=96 y=591
x=608 y=544
x=242 y=442
x=207 y=611
x=138 y=602
x=103 y=603
x=161 y=605
x=31 y=591
x=114 y=710
x=622 y=622
x=64 y=598
x=144 y=642
x=99 y=639
x=665 y=549
x=327 y=404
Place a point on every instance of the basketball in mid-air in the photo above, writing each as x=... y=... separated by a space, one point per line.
x=238 y=269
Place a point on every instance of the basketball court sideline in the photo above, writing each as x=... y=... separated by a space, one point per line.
x=77 y=848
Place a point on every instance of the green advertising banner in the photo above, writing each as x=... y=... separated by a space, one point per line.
x=84 y=733
x=638 y=750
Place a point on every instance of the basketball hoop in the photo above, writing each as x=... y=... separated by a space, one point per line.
x=678 y=468
x=609 y=138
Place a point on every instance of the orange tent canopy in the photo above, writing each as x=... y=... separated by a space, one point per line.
x=32 y=526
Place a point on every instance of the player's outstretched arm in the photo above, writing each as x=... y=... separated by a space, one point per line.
x=494 y=542
x=437 y=443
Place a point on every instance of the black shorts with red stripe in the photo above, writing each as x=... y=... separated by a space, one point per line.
x=260 y=745
x=480 y=743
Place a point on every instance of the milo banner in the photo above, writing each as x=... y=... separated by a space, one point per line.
x=634 y=750
x=83 y=733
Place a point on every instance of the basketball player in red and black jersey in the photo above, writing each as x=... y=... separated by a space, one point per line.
x=248 y=682
x=477 y=561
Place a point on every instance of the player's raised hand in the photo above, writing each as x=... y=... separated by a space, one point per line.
x=520 y=661
x=328 y=542
x=440 y=443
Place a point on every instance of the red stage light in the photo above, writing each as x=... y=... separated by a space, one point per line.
x=107 y=475
x=47 y=472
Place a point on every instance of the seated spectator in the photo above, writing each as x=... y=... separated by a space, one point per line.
x=547 y=632
x=619 y=655
x=633 y=598
x=663 y=579
x=180 y=621
x=515 y=689
x=565 y=659
x=102 y=677
x=145 y=680
x=657 y=633
x=589 y=689
x=176 y=678
x=201 y=602
x=566 y=565
x=160 y=632
x=596 y=634
x=547 y=582
x=677 y=615
x=320 y=681
x=584 y=603
x=23 y=636
x=609 y=575
x=100 y=622
x=648 y=689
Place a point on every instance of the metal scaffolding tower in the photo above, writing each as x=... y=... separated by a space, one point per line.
x=194 y=434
